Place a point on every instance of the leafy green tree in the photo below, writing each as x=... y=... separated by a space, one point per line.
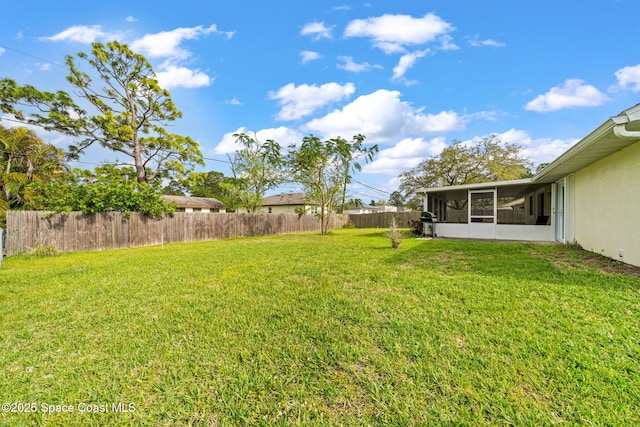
x=257 y=167
x=10 y=94
x=173 y=188
x=128 y=111
x=355 y=202
x=319 y=166
x=105 y=189
x=25 y=159
x=461 y=163
x=396 y=199
x=540 y=167
x=198 y=184
x=416 y=203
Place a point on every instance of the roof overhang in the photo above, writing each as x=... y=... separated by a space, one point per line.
x=613 y=135
x=512 y=188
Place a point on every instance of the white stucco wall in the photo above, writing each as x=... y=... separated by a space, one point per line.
x=607 y=206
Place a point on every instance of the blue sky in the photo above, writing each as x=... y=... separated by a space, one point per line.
x=412 y=76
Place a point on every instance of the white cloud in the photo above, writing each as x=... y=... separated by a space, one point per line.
x=130 y=19
x=174 y=76
x=405 y=155
x=393 y=33
x=476 y=42
x=317 y=30
x=350 y=65
x=540 y=150
x=83 y=34
x=442 y=122
x=234 y=101
x=166 y=44
x=308 y=56
x=303 y=100
x=407 y=61
x=390 y=48
x=491 y=115
x=628 y=79
x=572 y=93
x=2 y=51
x=382 y=117
x=446 y=43
x=282 y=135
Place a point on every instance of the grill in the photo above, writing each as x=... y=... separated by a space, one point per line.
x=428 y=224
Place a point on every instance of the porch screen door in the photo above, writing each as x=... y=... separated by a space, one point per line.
x=482 y=214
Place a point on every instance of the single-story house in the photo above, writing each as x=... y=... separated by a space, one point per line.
x=590 y=195
x=195 y=204
x=370 y=209
x=288 y=203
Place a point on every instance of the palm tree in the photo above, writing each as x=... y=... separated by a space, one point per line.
x=25 y=158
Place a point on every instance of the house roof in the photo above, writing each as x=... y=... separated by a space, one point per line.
x=613 y=135
x=194 y=202
x=511 y=188
x=285 y=199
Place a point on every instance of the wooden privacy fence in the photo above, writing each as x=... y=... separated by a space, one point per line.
x=76 y=231
x=381 y=220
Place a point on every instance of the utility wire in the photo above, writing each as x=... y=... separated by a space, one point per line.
x=32 y=56
x=371 y=188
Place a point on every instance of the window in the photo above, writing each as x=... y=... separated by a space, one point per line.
x=541 y=204
x=530 y=205
x=197 y=209
x=270 y=209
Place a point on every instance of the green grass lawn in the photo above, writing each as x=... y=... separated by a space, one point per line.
x=321 y=330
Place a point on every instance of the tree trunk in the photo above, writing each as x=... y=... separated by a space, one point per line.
x=141 y=173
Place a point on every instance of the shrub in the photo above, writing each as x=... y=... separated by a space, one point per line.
x=43 y=251
x=394 y=234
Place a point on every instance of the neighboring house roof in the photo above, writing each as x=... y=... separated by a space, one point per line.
x=613 y=135
x=383 y=208
x=286 y=199
x=194 y=202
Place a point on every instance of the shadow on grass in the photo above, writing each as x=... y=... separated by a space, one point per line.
x=516 y=261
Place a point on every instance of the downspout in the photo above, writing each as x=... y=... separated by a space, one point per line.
x=621 y=122
x=620 y=130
